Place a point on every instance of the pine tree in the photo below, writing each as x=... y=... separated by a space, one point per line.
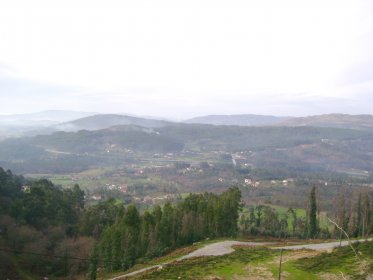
x=312 y=215
x=93 y=264
x=293 y=214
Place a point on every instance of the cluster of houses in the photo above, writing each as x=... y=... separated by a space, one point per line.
x=154 y=200
x=251 y=182
x=111 y=187
x=255 y=184
x=165 y=156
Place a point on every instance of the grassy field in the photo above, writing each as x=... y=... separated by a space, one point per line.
x=282 y=211
x=301 y=213
x=223 y=266
x=261 y=263
x=341 y=261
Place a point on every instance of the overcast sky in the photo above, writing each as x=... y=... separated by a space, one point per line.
x=179 y=59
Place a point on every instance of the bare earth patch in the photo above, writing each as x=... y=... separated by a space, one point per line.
x=330 y=276
x=299 y=255
x=258 y=272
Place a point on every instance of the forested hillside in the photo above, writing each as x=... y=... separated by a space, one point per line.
x=299 y=148
x=39 y=231
x=361 y=122
x=103 y=121
x=46 y=230
x=151 y=234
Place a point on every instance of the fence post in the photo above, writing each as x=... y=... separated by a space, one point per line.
x=280 y=266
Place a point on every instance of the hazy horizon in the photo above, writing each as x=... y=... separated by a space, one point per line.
x=160 y=117
x=176 y=61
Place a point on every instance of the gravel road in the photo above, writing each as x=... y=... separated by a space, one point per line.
x=220 y=248
x=125 y=276
x=320 y=246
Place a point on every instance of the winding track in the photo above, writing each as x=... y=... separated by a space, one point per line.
x=225 y=247
x=320 y=246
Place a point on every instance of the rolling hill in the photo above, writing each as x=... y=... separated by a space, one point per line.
x=362 y=122
x=239 y=120
x=300 y=149
x=34 y=123
x=103 y=121
x=332 y=143
x=45 y=117
x=46 y=123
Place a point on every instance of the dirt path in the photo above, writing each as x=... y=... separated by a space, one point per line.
x=220 y=248
x=320 y=246
x=125 y=276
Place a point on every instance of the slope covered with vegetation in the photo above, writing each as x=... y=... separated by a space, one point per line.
x=46 y=230
x=302 y=149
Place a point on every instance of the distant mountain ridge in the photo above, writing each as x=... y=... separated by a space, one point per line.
x=48 y=117
x=48 y=122
x=240 y=120
x=19 y=125
x=104 y=121
x=361 y=122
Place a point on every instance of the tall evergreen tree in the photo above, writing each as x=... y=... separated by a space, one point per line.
x=313 y=227
x=293 y=214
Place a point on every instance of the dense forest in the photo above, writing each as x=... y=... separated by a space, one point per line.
x=39 y=231
x=45 y=230
x=151 y=234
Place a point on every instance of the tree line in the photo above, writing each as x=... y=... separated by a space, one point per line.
x=266 y=220
x=136 y=236
x=354 y=213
